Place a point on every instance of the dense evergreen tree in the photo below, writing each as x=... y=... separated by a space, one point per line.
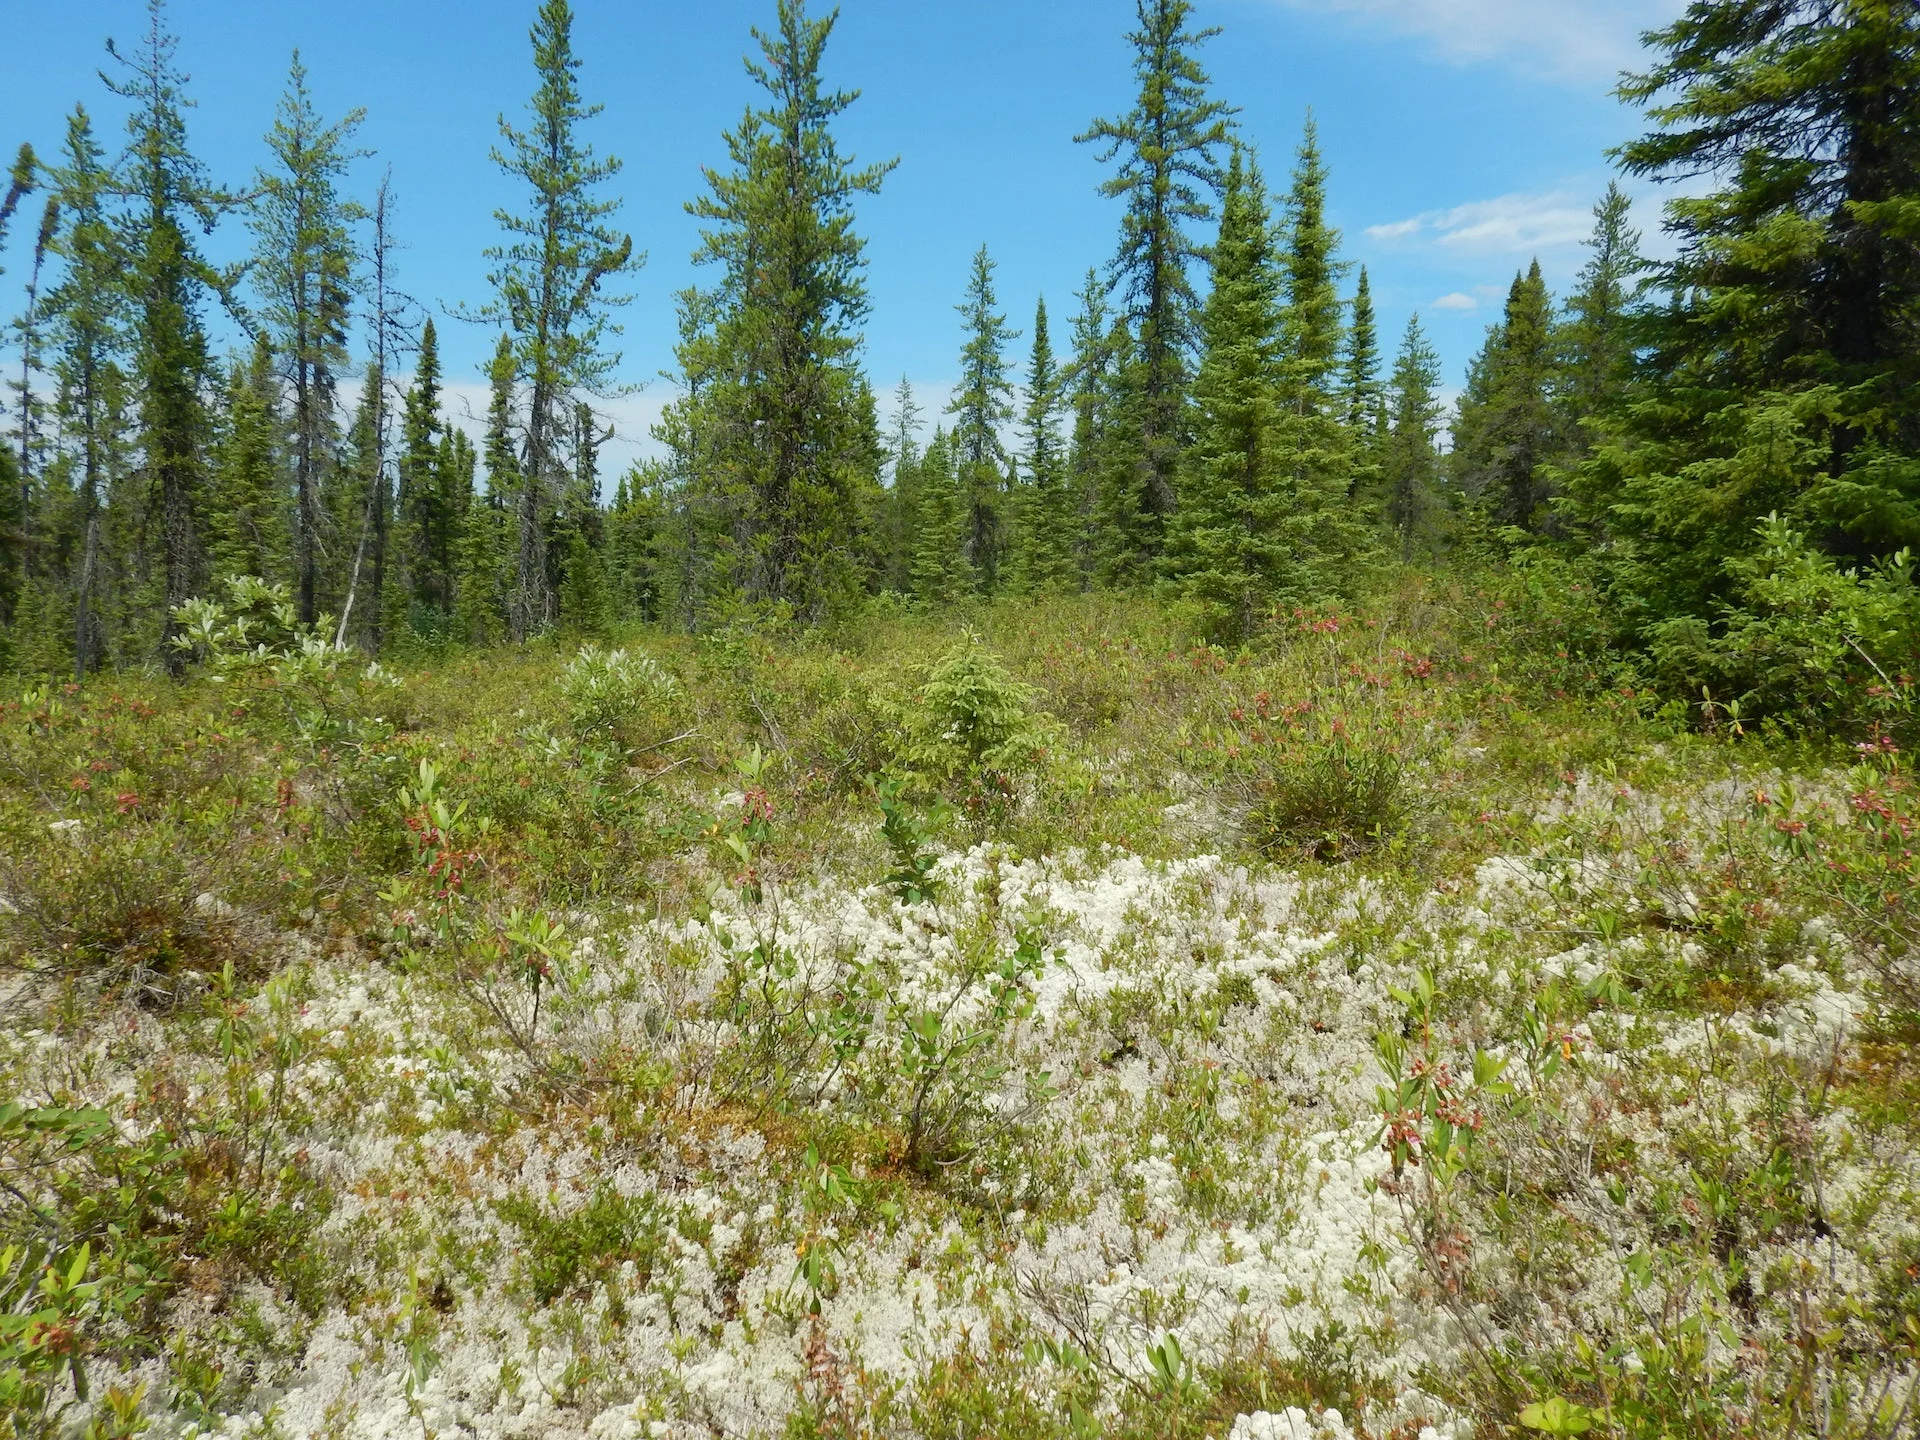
x=549 y=275
x=1506 y=438
x=30 y=406
x=86 y=314
x=1046 y=518
x=167 y=282
x=903 y=493
x=1228 y=552
x=1596 y=342
x=1311 y=323
x=247 y=521
x=1090 y=386
x=1168 y=174
x=429 y=498
x=14 y=507
x=634 y=550
x=1784 y=369
x=981 y=406
x=777 y=429
x=1366 y=401
x=485 y=578
x=941 y=574
x=304 y=265
x=1319 y=451
x=1410 y=459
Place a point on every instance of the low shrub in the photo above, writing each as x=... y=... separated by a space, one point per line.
x=974 y=730
x=619 y=697
x=568 y=1252
x=1808 y=644
x=1333 y=799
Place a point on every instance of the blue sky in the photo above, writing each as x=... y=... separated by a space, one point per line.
x=1463 y=136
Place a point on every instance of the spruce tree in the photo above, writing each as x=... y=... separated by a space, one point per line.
x=246 y=523
x=30 y=407
x=369 y=510
x=903 y=494
x=776 y=430
x=1410 y=461
x=940 y=571
x=981 y=405
x=428 y=519
x=22 y=180
x=1046 y=518
x=484 y=584
x=1319 y=453
x=22 y=176
x=1229 y=553
x=1596 y=345
x=1311 y=324
x=578 y=533
x=1507 y=441
x=1168 y=174
x=305 y=267
x=86 y=313
x=548 y=276
x=1783 y=372
x=634 y=525
x=167 y=281
x=1089 y=389
x=1365 y=400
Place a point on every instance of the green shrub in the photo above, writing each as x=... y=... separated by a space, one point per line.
x=974 y=731
x=566 y=1253
x=619 y=697
x=1333 y=799
x=1807 y=643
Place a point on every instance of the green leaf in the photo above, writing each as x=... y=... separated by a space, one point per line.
x=1558 y=1416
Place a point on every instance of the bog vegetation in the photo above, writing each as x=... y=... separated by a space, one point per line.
x=1198 y=903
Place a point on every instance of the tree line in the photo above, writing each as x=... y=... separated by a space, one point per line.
x=1221 y=423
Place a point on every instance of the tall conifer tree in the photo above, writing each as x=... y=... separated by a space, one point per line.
x=1507 y=439
x=1089 y=392
x=981 y=405
x=1228 y=554
x=549 y=275
x=167 y=282
x=1168 y=174
x=1319 y=451
x=22 y=179
x=1045 y=519
x=1366 y=400
x=903 y=495
x=1596 y=340
x=86 y=311
x=777 y=425
x=1783 y=374
x=428 y=515
x=1410 y=461
x=305 y=265
x=246 y=524
x=941 y=574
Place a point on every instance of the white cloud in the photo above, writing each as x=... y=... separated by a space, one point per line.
x=1398 y=230
x=1573 y=40
x=1456 y=301
x=1510 y=224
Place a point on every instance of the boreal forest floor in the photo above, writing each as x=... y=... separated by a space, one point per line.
x=1401 y=1028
